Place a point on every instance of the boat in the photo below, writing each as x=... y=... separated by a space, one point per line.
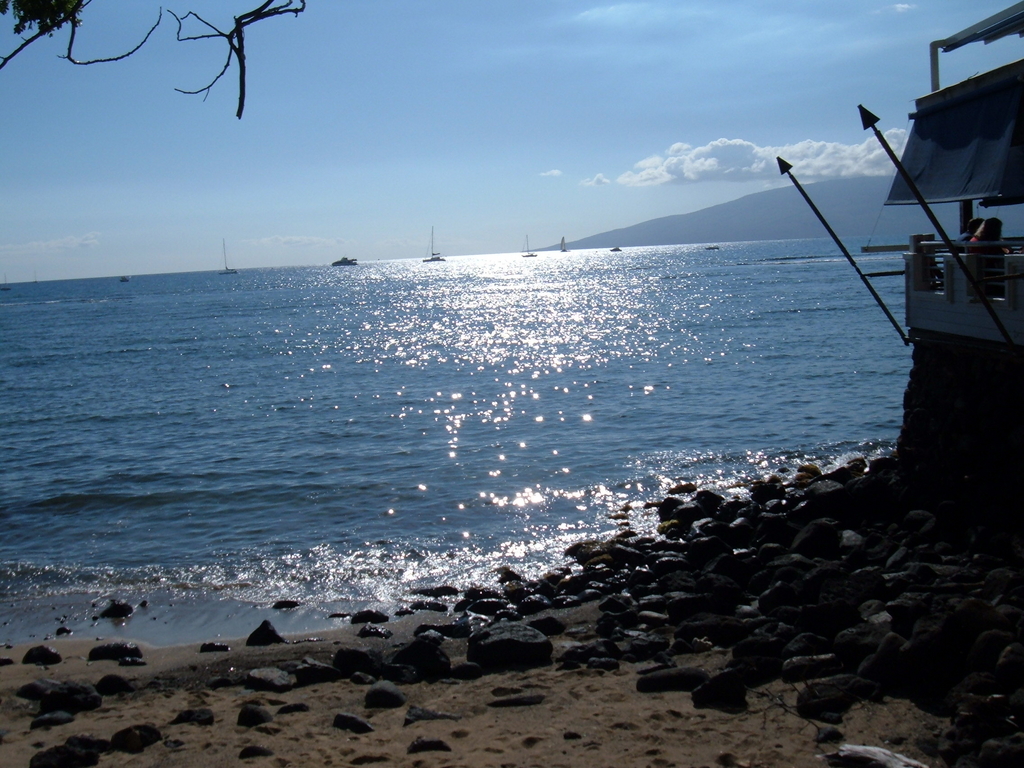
x=616 y=249
x=227 y=270
x=527 y=253
x=710 y=247
x=562 y=248
x=344 y=261
x=432 y=255
x=125 y=279
x=5 y=286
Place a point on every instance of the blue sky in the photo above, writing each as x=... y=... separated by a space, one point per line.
x=368 y=122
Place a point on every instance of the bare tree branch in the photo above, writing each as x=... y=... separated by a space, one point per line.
x=46 y=25
x=71 y=44
x=235 y=38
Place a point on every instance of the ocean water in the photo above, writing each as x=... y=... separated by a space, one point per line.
x=341 y=436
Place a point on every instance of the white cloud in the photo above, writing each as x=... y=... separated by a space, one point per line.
x=553 y=172
x=902 y=7
x=297 y=241
x=70 y=243
x=598 y=181
x=740 y=160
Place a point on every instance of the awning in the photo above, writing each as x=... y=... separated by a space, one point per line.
x=964 y=148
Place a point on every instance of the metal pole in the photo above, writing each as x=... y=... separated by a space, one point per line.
x=785 y=168
x=869 y=120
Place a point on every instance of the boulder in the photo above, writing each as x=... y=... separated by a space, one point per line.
x=115 y=652
x=726 y=690
x=134 y=738
x=426 y=657
x=384 y=695
x=672 y=679
x=264 y=634
x=41 y=654
x=508 y=644
x=834 y=695
x=269 y=679
x=349 y=722
x=70 y=697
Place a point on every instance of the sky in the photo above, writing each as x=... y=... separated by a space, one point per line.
x=369 y=122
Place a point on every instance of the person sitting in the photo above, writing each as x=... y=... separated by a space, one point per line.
x=972 y=229
x=990 y=231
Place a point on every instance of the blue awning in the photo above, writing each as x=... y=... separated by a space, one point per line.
x=964 y=148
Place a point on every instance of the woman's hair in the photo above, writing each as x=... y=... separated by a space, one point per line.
x=992 y=229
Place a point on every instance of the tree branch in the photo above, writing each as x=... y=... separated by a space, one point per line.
x=47 y=24
x=71 y=44
x=235 y=39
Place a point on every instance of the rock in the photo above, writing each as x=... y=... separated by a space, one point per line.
x=603 y=663
x=401 y=673
x=34 y=691
x=88 y=744
x=134 y=738
x=254 y=750
x=41 y=654
x=353 y=723
x=819 y=538
x=527 y=700
x=313 y=672
x=549 y=625
x=1002 y=752
x=417 y=714
x=534 y=604
x=201 y=716
x=351 y=660
x=372 y=630
x=384 y=695
x=422 y=744
x=853 y=645
x=725 y=690
x=288 y=709
x=214 y=648
x=115 y=652
x=988 y=646
x=264 y=634
x=118 y=609
x=269 y=679
x=508 y=644
x=672 y=679
x=251 y=715
x=111 y=685
x=799 y=668
x=282 y=605
x=70 y=697
x=64 y=756
x=369 y=616
x=444 y=590
x=49 y=719
x=834 y=694
x=1010 y=666
x=426 y=657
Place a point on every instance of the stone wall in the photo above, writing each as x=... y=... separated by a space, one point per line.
x=963 y=429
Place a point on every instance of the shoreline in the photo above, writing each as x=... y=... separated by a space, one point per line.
x=753 y=631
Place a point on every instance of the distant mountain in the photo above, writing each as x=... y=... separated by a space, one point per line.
x=853 y=207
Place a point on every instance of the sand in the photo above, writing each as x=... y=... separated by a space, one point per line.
x=588 y=718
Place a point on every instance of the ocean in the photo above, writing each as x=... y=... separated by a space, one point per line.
x=342 y=436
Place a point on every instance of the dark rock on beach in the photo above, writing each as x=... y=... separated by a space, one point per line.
x=41 y=654
x=509 y=644
x=348 y=722
x=70 y=697
x=264 y=634
x=423 y=744
x=251 y=715
x=135 y=738
x=117 y=609
x=115 y=652
x=384 y=695
x=254 y=750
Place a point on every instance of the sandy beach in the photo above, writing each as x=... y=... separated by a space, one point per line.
x=587 y=717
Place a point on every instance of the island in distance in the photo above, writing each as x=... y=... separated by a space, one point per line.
x=852 y=206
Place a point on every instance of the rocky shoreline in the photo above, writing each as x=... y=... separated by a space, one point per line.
x=824 y=604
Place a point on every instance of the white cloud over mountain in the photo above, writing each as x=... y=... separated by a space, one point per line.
x=740 y=160
x=598 y=181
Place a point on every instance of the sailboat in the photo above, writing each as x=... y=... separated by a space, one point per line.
x=227 y=270
x=433 y=256
x=5 y=286
x=527 y=253
x=563 y=249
